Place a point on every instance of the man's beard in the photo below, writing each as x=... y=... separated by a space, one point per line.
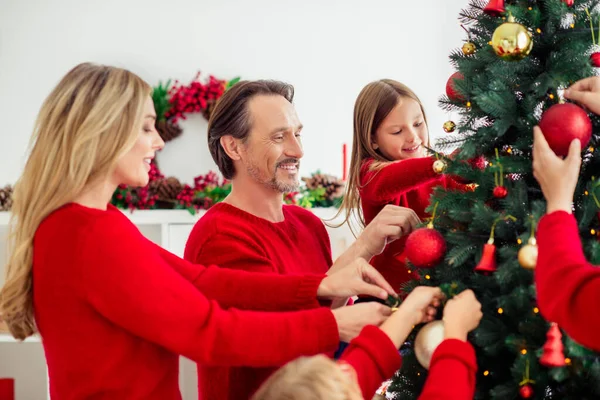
x=273 y=183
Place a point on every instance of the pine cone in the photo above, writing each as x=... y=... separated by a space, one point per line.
x=6 y=198
x=312 y=182
x=167 y=130
x=333 y=186
x=210 y=106
x=334 y=190
x=168 y=188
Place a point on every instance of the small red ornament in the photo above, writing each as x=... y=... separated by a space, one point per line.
x=425 y=247
x=478 y=162
x=451 y=90
x=595 y=59
x=487 y=264
x=562 y=123
x=500 y=192
x=569 y=3
x=526 y=391
x=494 y=8
x=553 y=348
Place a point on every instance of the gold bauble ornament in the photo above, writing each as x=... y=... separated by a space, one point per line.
x=449 y=126
x=468 y=48
x=439 y=166
x=528 y=254
x=512 y=41
x=428 y=339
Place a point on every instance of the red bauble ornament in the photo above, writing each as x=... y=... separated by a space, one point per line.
x=526 y=391
x=478 y=162
x=500 y=192
x=494 y=8
x=487 y=264
x=595 y=59
x=569 y=2
x=450 y=90
x=562 y=123
x=553 y=348
x=425 y=247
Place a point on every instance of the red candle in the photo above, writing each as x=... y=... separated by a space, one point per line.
x=344 y=162
x=7 y=389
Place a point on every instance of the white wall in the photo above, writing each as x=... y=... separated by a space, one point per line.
x=328 y=49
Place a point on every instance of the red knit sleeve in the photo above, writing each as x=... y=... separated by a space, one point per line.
x=452 y=372
x=128 y=283
x=383 y=185
x=374 y=357
x=567 y=285
x=245 y=290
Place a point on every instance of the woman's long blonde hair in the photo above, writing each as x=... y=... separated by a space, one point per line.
x=90 y=120
x=309 y=378
x=373 y=104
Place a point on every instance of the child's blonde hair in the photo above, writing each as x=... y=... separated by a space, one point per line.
x=310 y=378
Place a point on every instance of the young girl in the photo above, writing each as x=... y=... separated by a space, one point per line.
x=389 y=165
x=113 y=309
x=373 y=357
x=566 y=283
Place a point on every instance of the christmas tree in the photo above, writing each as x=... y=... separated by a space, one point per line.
x=518 y=57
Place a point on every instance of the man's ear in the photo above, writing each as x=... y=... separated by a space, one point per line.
x=231 y=147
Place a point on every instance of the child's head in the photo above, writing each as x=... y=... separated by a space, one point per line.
x=389 y=125
x=311 y=378
x=389 y=122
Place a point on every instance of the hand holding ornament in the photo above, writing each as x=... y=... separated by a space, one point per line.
x=355 y=278
x=392 y=223
x=352 y=319
x=586 y=92
x=462 y=314
x=557 y=177
x=418 y=307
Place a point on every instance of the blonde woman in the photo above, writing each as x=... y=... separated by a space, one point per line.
x=113 y=309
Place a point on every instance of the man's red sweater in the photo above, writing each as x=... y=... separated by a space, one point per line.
x=567 y=285
x=114 y=311
x=232 y=238
x=407 y=183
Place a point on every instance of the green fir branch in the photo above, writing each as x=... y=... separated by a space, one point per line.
x=160 y=97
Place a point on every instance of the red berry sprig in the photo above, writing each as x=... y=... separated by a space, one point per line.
x=186 y=196
x=194 y=97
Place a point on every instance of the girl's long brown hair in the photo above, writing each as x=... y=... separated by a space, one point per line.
x=374 y=103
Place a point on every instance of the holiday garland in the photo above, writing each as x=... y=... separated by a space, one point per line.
x=175 y=103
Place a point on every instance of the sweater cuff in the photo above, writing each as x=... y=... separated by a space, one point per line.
x=380 y=349
x=559 y=218
x=457 y=349
x=558 y=224
x=327 y=335
x=306 y=293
